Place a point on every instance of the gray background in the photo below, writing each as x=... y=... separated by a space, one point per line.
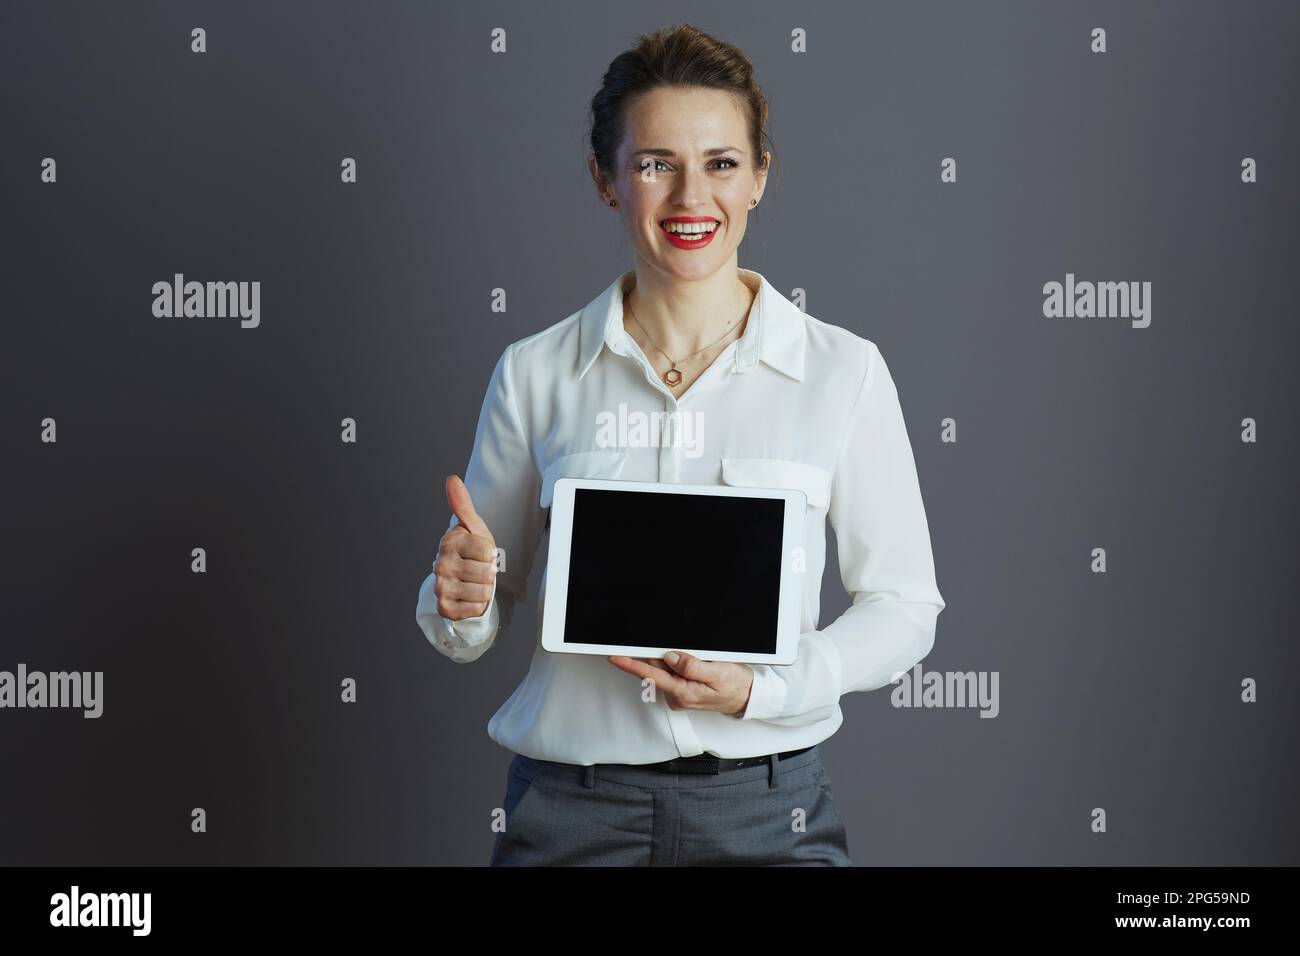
x=1118 y=690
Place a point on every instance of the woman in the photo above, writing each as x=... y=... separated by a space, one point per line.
x=718 y=763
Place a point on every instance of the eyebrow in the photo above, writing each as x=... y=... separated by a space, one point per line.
x=660 y=151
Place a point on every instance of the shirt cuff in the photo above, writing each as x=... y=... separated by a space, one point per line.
x=767 y=695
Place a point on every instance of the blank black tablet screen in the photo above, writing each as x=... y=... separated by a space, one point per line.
x=657 y=569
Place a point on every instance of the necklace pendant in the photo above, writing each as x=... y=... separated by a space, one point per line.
x=673 y=376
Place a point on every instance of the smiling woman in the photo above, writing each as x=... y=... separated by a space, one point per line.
x=682 y=761
x=683 y=161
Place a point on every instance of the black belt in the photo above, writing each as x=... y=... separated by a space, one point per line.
x=707 y=763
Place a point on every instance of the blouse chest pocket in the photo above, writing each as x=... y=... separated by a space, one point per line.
x=813 y=480
x=599 y=463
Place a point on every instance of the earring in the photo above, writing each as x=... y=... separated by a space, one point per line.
x=611 y=202
x=753 y=202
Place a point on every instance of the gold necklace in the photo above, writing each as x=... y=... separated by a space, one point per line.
x=673 y=376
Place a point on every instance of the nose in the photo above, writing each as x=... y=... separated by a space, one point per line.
x=689 y=190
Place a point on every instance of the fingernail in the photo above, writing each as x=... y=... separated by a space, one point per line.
x=671 y=657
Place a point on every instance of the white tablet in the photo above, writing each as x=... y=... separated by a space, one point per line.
x=642 y=568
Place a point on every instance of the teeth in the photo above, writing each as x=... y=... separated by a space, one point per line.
x=691 y=228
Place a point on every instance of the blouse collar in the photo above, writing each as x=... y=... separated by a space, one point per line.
x=775 y=334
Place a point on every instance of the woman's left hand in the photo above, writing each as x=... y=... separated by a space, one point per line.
x=689 y=683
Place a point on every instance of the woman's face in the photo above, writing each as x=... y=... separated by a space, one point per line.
x=685 y=157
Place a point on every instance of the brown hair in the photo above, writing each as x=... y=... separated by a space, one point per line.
x=674 y=56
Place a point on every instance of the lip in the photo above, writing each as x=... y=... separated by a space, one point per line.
x=681 y=243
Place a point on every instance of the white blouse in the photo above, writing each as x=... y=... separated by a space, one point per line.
x=794 y=403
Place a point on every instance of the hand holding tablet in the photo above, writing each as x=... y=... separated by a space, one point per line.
x=689 y=683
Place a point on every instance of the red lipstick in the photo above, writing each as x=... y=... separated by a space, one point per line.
x=691 y=242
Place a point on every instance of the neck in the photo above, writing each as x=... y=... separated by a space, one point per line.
x=682 y=316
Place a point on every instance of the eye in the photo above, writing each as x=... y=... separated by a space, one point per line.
x=659 y=162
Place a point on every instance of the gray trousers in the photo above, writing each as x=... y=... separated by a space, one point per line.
x=778 y=813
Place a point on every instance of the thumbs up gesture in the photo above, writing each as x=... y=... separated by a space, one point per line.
x=465 y=569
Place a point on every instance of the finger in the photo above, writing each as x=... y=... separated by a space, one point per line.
x=633 y=665
x=623 y=663
x=664 y=680
x=459 y=610
x=462 y=543
x=453 y=589
x=643 y=660
x=692 y=668
x=465 y=569
x=462 y=506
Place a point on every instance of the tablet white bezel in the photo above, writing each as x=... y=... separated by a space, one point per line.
x=789 y=603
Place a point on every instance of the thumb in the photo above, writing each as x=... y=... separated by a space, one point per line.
x=692 y=668
x=680 y=662
x=463 y=507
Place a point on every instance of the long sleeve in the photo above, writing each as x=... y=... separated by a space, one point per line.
x=886 y=565
x=505 y=487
